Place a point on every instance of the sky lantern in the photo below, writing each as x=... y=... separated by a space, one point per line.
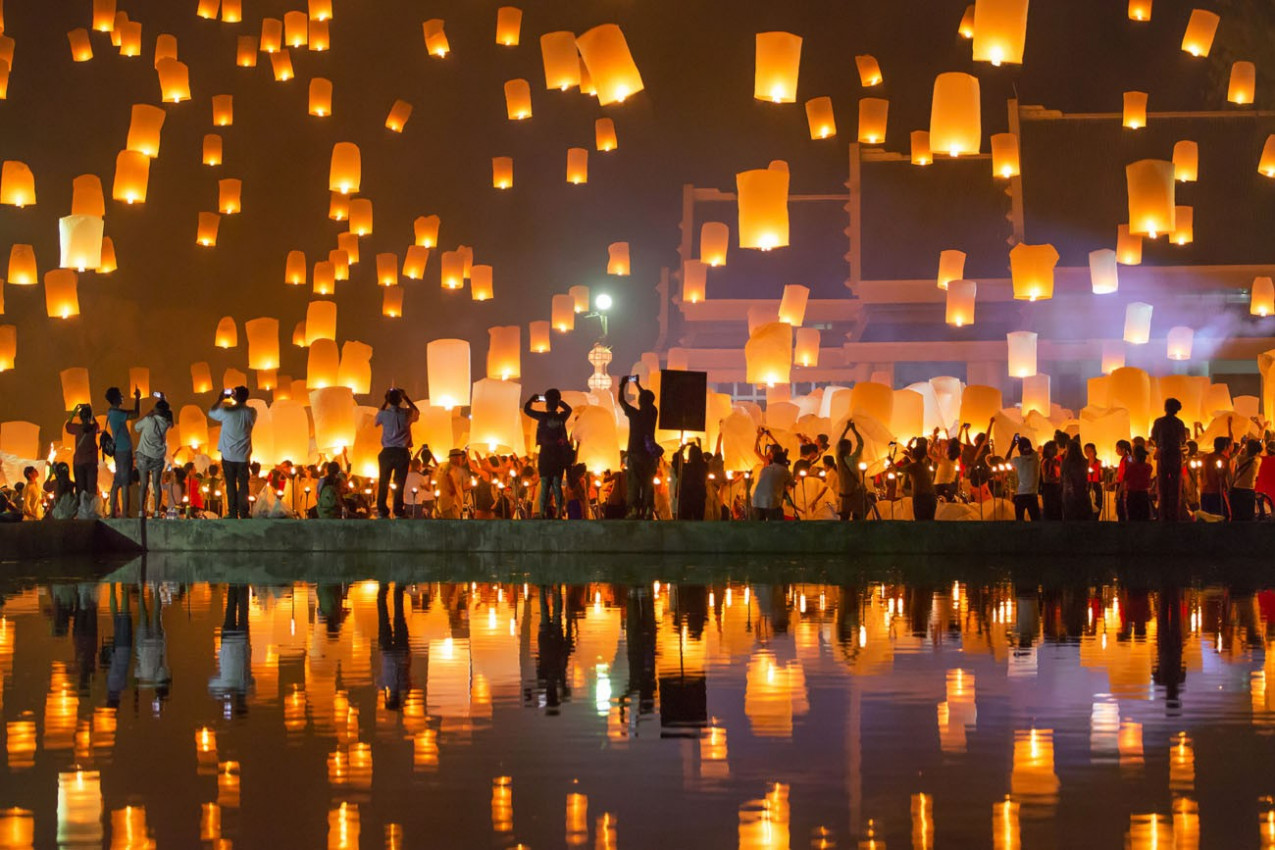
x=387 y=269
x=231 y=11
x=435 y=38
x=806 y=349
x=267 y=379
x=480 y=283
x=75 y=387
x=335 y=419
x=281 y=65
x=820 y=118
x=1179 y=342
x=165 y=47
x=1135 y=109
x=694 y=281
x=346 y=172
x=1267 y=164
x=869 y=70
x=1036 y=395
x=1137 y=323
x=792 y=306
x=960 y=302
x=921 y=153
x=1262 y=302
x=320 y=97
x=604 y=135
x=1140 y=10
x=606 y=55
x=130 y=33
x=979 y=403
x=1128 y=247
x=324 y=278
x=271 y=35
x=1022 y=353
x=956 y=126
x=174 y=80
x=561 y=60
x=504 y=353
x=392 y=302
x=144 y=128
x=425 y=230
x=227 y=335
x=587 y=86
x=1103 y=272
x=263 y=343
x=206 y=233
x=296 y=28
x=4 y=79
x=778 y=63
x=1005 y=155
x=223 y=110
x=873 y=112
x=320 y=36
x=246 y=51
x=518 y=99
x=361 y=216
x=17 y=184
x=1183 y=232
x=298 y=335
x=81 y=241
x=229 y=191
x=618 y=259
x=966 y=26
x=1032 y=271
x=577 y=166
x=1151 y=197
x=109 y=263
x=323 y=364
x=1112 y=355
x=453 y=270
x=502 y=172
x=212 y=149
x=495 y=420
x=192 y=424
x=399 y=113
x=22 y=267
x=508 y=26
x=768 y=354
x=763 y=208
x=61 y=293
x=319 y=10
x=714 y=242
x=415 y=261
x=356 y=367
x=1000 y=31
x=320 y=321
x=579 y=298
x=538 y=337
x=1243 y=84
x=339 y=258
x=951 y=267
x=1186 y=161
x=1200 y=29
x=81 y=47
x=447 y=368
x=103 y=16
x=562 y=313
x=294 y=270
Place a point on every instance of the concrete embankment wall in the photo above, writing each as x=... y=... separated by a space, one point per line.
x=25 y=541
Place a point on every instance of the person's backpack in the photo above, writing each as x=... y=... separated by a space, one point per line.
x=106 y=442
x=329 y=501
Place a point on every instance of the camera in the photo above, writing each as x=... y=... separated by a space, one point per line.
x=157 y=395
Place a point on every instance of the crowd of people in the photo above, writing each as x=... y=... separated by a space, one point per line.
x=1166 y=476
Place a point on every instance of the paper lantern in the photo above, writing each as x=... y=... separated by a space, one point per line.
x=323 y=364
x=321 y=107
x=496 y=420
x=1186 y=162
x=714 y=241
x=778 y=60
x=206 y=233
x=792 y=307
x=577 y=165
x=223 y=110
x=1005 y=155
x=1128 y=247
x=298 y=335
x=232 y=378
x=1036 y=395
x=9 y=350
x=246 y=51
x=81 y=241
x=415 y=261
x=920 y=153
x=108 y=257
x=334 y=418
x=768 y=354
x=604 y=135
x=228 y=196
x=1180 y=340
x=447 y=368
x=4 y=79
x=174 y=80
x=762 y=199
x=86 y=196
x=579 y=298
x=399 y=113
x=319 y=10
x=508 y=26
x=1000 y=30
x=1151 y=197
x=81 y=47
x=1183 y=225
x=563 y=314
x=1104 y=428
x=22 y=268
x=951 y=267
x=200 y=378
x=130 y=33
x=61 y=295
x=1139 y=10
x=346 y=171
x=231 y=11
x=227 y=335
x=1103 y=275
x=960 y=302
x=355 y=370
x=1267 y=163
x=538 y=337
x=872 y=399
x=132 y=174
x=1200 y=29
x=294 y=271
x=296 y=28
x=979 y=404
x=271 y=35
x=561 y=60
x=869 y=70
x=806 y=349
x=324 y=278
x=1137 y=323
x=103 y=16
x=17 y=184
x=1022 y=354
x=165 y=47
x=956 y=126
x=1187 y=389
x=263 y=343
x=1032 y=271
x=820 y=118
x=618 y=258
x=212 y=149
x=75 y=387
x=694 y=281
x=435 y=38
x=1112 y=355
x=392 y=302
x=502 y=172
x=281 y=65
x=610 y=64
x=1262 y=302
x=1135 y=109
x=320 y=321
x=349 y=243
x=361 y=216
x=873 y=112
x=387 y=269
x=1243 y=83
x=453 y=270
x=518 y=99
x=192 y=425
x=504 y=353
x=480 y=283
x=320 y=36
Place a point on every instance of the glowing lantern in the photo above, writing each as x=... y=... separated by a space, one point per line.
x=561 y=60
x=17 y=184
x=346 y=171
x=61 y=296
x=22 y=268
x=1179 y=342
x=606 y=56
x=1243 y=83
x=206 y=234
x=1036 y=395
x=496 y=421
x=1267 y=164
x=321 y=101
x=1200 y=29
x=81 y=48
x=1022 y=354
x=604 y=135
x=1135 y=109
x=869 y=70
x=447 y=368
x=1128 y=247
x=246 y=51
x=212 y=149
x=296 y=28
x=320 y=321
x=103 y=16
x=806 y=350
x=1139 y=10
x=323 y=364
x=1112 y=355
x=75 y=387
x=792 y=307
x=1000 y=30
x=227 y=335
x=920 y=152
x=1103 y=275
x=281 y=65
x=872 y=120
x=223 y=110
x=768 y=354
x=263 y=343
x=480 y=283
x=324 y=278
x=9 y=352
x=453 y=270
x=508 y=26
x=298 y=335
x=577 y=165
x=361 y=216
x=392 y=302
x=518 y=99
x=355 y=370
x=1263 y=298
x=538 y=337
x=618 y=258
x=1137 y=323
x=231 y=11
x=694 y=281
x=232 y=378
x=340 y=259
x=319 y=10
x=562 y=313
x=415 y=261
x=294 y=269
x=425 y=229
x=956 y=123
x=165 y=48
x=132 y=174
x=200 y=378
x=399 y=113
x=1151 y=197
x=980 y=403
x=108 y=257
x=960 y=302
x=435 y=38
x=86 y=196
x=228 y=192
x=1032 y=271
x=271 y=35
x=320 y=36
x=334 y=418
x=502 y=172
x=1005 y=155
x=1186 y=162
x=81 y=238
x=504 y=353
x=4 y=78
x=192 y=425
x=1183 y=226
x=130 y=33
x=387 y=269
x=820 y=118
x=763 y=208
x=951 y=267
x=714 y=240
x=174 y=80
x=778 y=63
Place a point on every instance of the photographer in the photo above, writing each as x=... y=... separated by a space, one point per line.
x=555 y=453
x=395 y=419
x=152 y=448
x=237 y=420
x=84 y=458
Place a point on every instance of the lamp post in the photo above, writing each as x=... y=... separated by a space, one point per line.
x=600 y=355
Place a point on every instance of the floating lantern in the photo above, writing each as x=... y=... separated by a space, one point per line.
x=1128 y=247
x=387 y=269
x=1267 y=164
x=604 y=135
x=86 y=196
x=320 y=321
x=714 y=241
x=508 y=25
x=820 y=118
x=319 y=10
x=562 y=313
x=496 y=421
x=447 y=368
x=1186 y=162
x=346 y=171
x=320 y=36
x=296 y=28
x=606 y=56
x=1151 y=197
x=174 y=80
x=271 y=35
x=392 y=302
x=281 y=65
x=192 y=424
x=132 y=174
x=778 y=63
x=869 y=70
x=504 y=353
x=502 y=172
x=435 y=38
x=1022 y=354
x=232 y=378
x=1263 y=297
x=212 y=149
x=61 y=295
x=768 y=354
x=1180 y=340
x=1243 y=83
x=1000 y=31
x=1103 y=274
x=694 y=281
x=75 y=387
x=227 y=335
x=763 y=208
x=81 y=47
x=951 y=267
x=425 y=229
x=1112 y=355
x=966 y=27
x=361 y=216
x=518 y=99
x=263 y=343
x=873 y=112
x=344 y=255
x=294 y=271
x=872 y=399
x=130 y=33
x=792 y=307
x=1139 y=10
x=323 y=364
x=200 y=378
x=103 y=16
x=267 y=380
x=415 y=261
x=298 y=335
x=17 y=184
x=165 y=48
x=806 y=350
x=453 y=270
x=206 y=233
x=1137 y=323
x=1183 y=225
x=980 y=403
x=22 y=268
x=81 y=241
x=579 y=298
x=538 y=337
x=108 y=257
x=228 y=196
x=561 y=60
x=480 y=283
x=9 y=352
x=321 y=100
x=1005 y=155
x=1135 y=109
x=355 y=370
x=223 y=110
x=334 y=418
x=338 y=206
x=577 y=165
x=139 y=380
x=231 y=11
x=1032 y=271
x=921 y=153
x=324 y=278
x=618 y=258
x=1036 y=395
x=246 y=51
x=956 y=126
x=960 y=302
x=4 y=79
x=1200 y=29
x=399 y=113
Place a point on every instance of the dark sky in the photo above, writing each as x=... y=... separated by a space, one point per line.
x=696 y=122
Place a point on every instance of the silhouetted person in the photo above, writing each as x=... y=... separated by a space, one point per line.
x=1169 y=673
x=555 y=648
x=83 y=428
x=1075 y=483
x=234 y=671
x=396 y=656
x=643 y=451
x=692 y=482
x=117 y=422
x=553 y=449
x=395 y=419
x=121 y=645
x=237 y=420
x=1169 y=434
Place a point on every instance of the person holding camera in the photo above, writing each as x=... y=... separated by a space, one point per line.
x=643 y=454
x=121 y=448
x=395 y=419
x=152 y=449
x=554 y=453
x=83 y=427
x=237 y=420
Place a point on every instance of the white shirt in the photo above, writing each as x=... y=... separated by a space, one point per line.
x=235 y=444
x=151 y=431
x=1027 y=468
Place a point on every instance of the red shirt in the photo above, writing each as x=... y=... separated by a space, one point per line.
x=1214 y=470
x=1095 y=472
x=1137 y=476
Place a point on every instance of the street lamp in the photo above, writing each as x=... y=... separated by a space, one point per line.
x=601 y=305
